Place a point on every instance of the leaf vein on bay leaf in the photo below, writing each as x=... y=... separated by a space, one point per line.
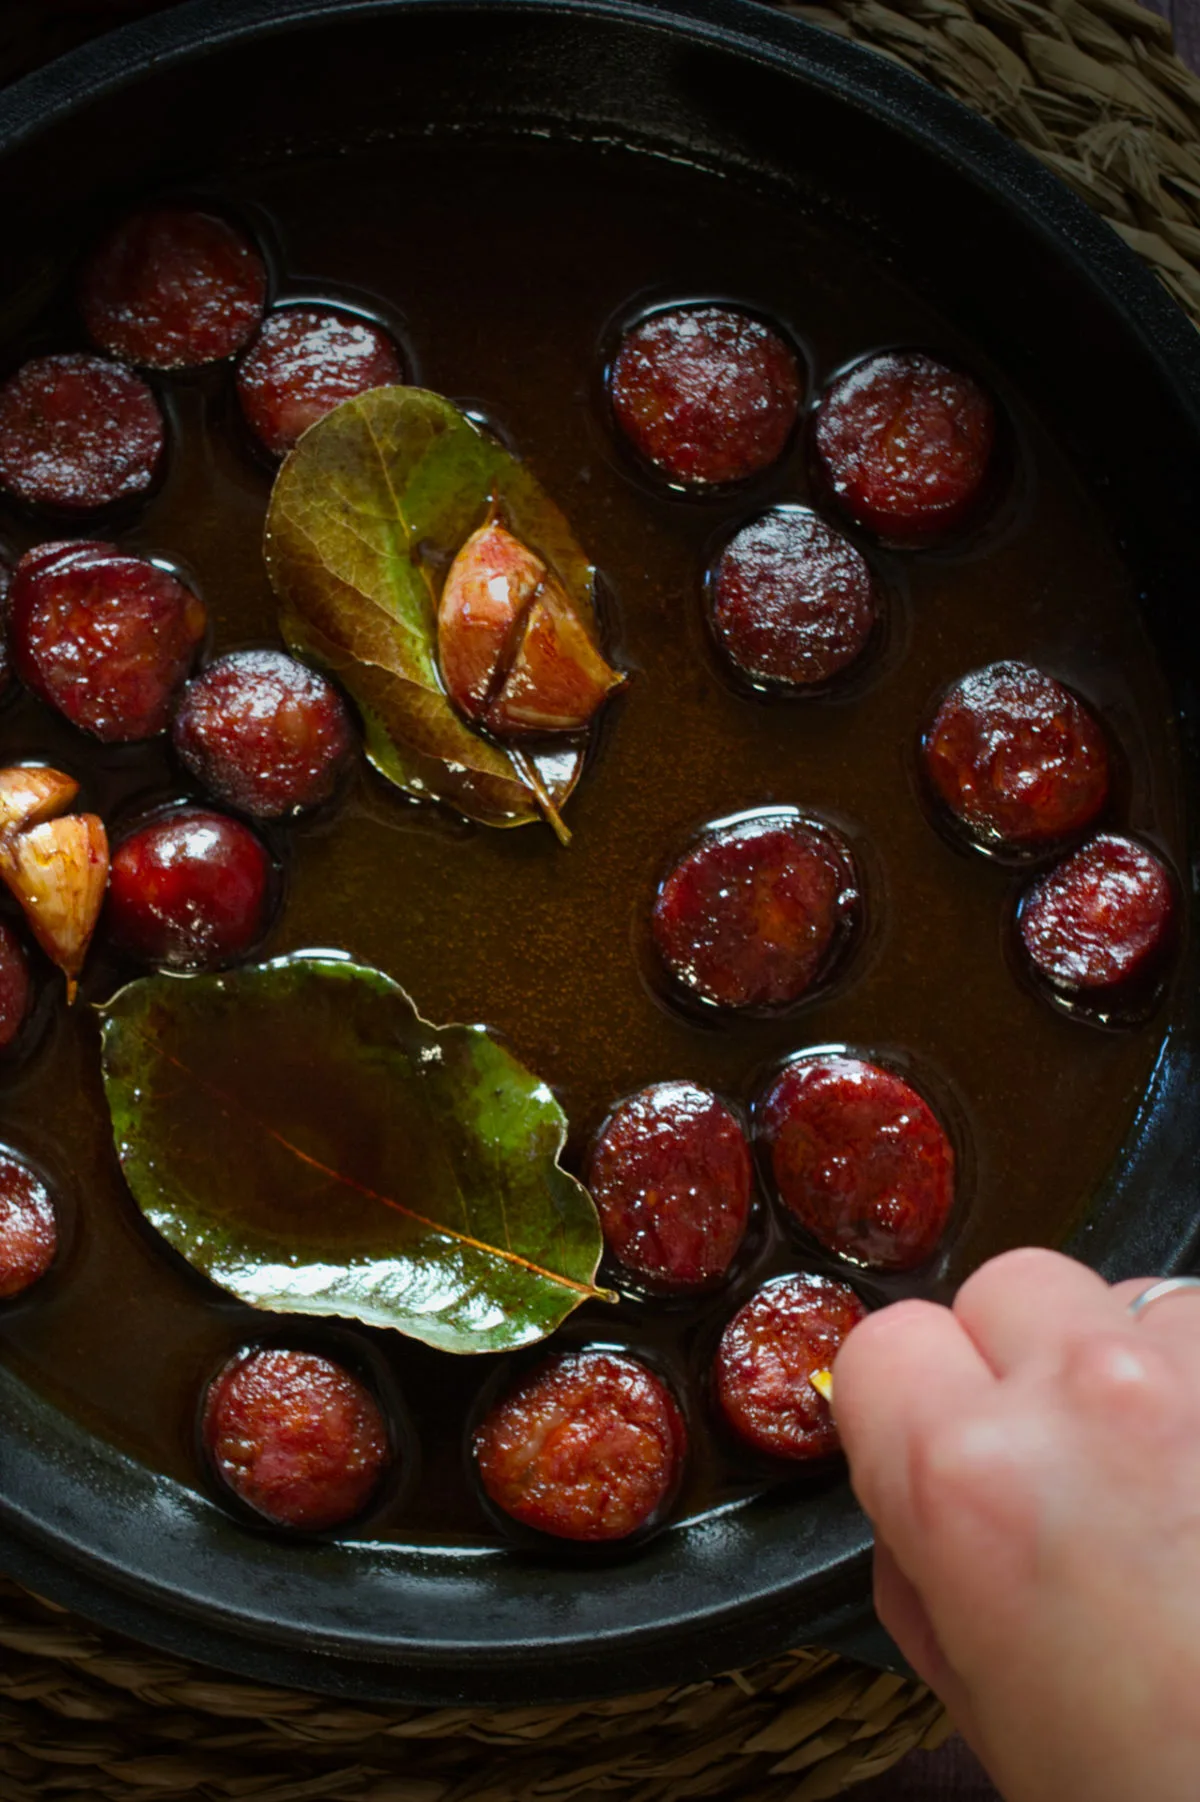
x=475 y=1128
x=229 y=1104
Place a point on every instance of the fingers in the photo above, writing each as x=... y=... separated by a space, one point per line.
x=900 y=1374
x=1025 y=1307
x=1176 y=1316
x=1131 y=1288
x=899 y=1606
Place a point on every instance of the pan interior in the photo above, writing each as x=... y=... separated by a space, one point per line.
x=385 y=155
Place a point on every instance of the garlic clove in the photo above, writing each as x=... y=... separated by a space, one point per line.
x=515 y=656
x=31 y=793
x=58 y=871
x=558 y=678
x=487 y=589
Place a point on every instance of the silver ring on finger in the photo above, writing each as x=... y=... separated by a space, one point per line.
x=1167 y=1285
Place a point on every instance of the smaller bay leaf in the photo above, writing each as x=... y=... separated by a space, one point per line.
x=304 y=1139
x=366 y=513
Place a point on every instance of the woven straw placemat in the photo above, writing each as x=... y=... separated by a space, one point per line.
x=1093 y=88
x=86 y=1716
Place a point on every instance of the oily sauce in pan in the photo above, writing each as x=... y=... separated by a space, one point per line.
x=505 y=273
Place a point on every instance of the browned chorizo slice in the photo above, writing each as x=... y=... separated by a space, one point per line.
x=1102 y=922
x=589 y=1446
x=1016 y=758
x=793 y=603
x=78 y=433
x=5 y=662
x=905 y=443
x=757 y=911
x=16 y=986
x=264 y=733
x=28 y=1226
x=104 y=637
x=189 y=890
x=769 y=1352
x=705 y=394
x=171 y=287
x=296 y=1437
x=671 y=1177
x=302 y=363
x=64 y=550
x=859 y=1158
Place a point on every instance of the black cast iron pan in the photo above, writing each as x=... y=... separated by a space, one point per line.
x=1021 y=266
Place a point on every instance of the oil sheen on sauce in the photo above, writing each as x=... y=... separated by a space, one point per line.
x=504 y=274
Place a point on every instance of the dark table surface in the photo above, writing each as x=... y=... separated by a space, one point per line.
x=1185 y=22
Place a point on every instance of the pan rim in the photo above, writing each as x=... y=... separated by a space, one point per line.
x=903 y=102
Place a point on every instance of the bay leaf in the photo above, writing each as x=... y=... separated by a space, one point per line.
x=304 y=1139
x=366 y=512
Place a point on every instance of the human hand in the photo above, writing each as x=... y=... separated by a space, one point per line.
x=1031 y=1463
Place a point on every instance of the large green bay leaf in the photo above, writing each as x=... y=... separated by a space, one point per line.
x=367 y=510
x=303 y=1138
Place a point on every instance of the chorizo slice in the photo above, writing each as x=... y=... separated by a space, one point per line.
x=1017 y=760
x=303 y=362
x=171 y=287
x=859 y=1159
x=264 y=733
x=589 y=1446
x=5 y=660
x=78 y=433
x=296 y=1437
x=792 y=602
x=671 y=1177
x=189 y=890
x=757 y=911
x=705 y=394
x=905 y=444
x=104 y=637
x=16 y=986
x=788 y=1332
x=28 y=1226
x=1101 y=923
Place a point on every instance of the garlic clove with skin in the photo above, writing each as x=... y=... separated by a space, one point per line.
x=487 y=589
x=515 y=656
x=31 y=793
x=58 y=871
x=558 y=678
